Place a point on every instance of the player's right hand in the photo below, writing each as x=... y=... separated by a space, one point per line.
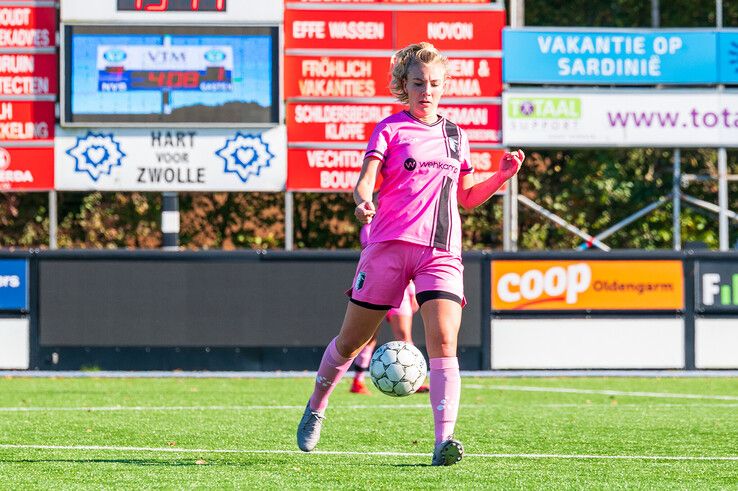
x=365 y=211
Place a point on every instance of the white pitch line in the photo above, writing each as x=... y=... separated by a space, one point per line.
x=41 y=409
x=667 y=395
x=381 y=454
x=204 y=408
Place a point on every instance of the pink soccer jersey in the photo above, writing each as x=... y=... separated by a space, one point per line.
x=421 y=165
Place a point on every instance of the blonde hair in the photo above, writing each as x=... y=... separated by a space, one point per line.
x=424 y=53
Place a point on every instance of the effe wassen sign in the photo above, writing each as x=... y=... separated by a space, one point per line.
x=614 y=56
x=716 y=286
x=587 y=285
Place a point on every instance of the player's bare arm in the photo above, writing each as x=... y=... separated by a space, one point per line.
x=365 y=209
x=471 y=195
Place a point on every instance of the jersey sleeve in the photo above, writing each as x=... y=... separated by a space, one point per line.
x=465 y=155
x=379 y=142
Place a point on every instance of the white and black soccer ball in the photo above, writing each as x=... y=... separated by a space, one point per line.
x=398 y=368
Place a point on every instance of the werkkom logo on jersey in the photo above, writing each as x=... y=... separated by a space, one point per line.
x=411 y=164
x=96 y=154
x=245 y=155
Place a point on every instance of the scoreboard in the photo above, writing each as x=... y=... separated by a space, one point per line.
x=170 y=63
x=173 y=5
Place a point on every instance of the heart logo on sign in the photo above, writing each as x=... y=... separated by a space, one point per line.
x=95 y=155
x=245 y=156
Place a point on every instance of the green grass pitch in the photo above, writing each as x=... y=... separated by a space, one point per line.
x=519 y=433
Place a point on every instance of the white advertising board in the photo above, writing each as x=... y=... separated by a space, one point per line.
x=626 y=118
x=171 y=160
x=14 y=344
x=716 y=343
x=587 y=343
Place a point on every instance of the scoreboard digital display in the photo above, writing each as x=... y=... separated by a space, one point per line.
x=172 y=5
x=216 y=76
x=207 y=68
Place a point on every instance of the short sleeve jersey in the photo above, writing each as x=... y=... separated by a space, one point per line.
x=421 y=165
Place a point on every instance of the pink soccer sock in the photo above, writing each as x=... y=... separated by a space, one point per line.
x=332 y=368
x=362 y=360
x=445 y=391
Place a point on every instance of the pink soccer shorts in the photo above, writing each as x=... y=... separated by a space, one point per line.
x=385 y=268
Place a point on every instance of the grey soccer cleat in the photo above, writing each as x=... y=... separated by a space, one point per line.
x=448 y=452
x=308 y=431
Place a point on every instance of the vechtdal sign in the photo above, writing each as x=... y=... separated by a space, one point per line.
x=620 y=118
x=617 y=56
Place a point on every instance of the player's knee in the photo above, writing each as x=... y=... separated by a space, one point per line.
x=348 y=347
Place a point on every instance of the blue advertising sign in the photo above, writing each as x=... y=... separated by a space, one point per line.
x=13 y=284
x=612 y=57
x=728 y=57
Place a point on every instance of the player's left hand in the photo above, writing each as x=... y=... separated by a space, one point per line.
x=510 y=163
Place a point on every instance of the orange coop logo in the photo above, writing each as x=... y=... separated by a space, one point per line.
x=587 y=285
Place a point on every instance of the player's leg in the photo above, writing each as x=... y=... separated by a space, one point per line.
x=370 y=298
x=440 y=286
x=361 y=366
x=359 y=326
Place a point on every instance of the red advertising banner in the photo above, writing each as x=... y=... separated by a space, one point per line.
x=474 y=77
x=330 y=122
x=448 y=30
x=27 y=27
x=333 y=29
x=28 y=74
x=481 y=122
x=26 y=120
x=336 y=76
x=27 y=168
x=28 y=64
x=323 y=169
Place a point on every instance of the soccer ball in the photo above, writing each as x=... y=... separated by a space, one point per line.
x=397 y=368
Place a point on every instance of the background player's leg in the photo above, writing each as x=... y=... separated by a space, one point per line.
x=402 y=327
x=361 y=366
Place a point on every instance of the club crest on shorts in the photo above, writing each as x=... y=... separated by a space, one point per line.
x=359 y=284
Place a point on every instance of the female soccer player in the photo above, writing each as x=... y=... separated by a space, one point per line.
x=425 y=163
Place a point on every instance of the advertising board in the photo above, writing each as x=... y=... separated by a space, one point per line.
x=587 y=285
x=609 y=56
x=26 y=168
x=168 y=160
x=13 y=284
x=329 y=77
x=716 y=286
x=665 y=118
x=26 y=121
x=452 y=30
x=27 y=27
